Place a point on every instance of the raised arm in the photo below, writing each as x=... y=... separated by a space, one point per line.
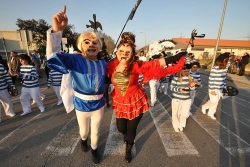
x=54 y=34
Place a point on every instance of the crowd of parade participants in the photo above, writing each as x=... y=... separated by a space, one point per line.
x=81 y=82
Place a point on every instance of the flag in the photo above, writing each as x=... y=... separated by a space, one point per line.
x=131 y=15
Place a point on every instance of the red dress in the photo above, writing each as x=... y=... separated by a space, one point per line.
x=135 y=101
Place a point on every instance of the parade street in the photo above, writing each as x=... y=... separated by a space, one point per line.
x=51 y=138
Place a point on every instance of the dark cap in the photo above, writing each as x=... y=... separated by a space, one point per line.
x=187 y=66
x=222 y=56
x=195 y=63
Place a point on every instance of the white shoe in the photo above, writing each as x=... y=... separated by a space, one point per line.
x=181 y=128
x=33 y=102
x=42 y=110
x=203 y=111
x=212 y=116
x=59 y=102
x=11 y=114
x=176 y=129
x=25 y=113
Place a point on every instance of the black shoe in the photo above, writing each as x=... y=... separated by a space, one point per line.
x=95 y=156
x=128 y=156
x=84 y=145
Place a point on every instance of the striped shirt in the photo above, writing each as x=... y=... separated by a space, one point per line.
x=5 y=79
x=217 y=77
x=195 y=75
x=55 y=78
x=176 y=86
x=29 y=76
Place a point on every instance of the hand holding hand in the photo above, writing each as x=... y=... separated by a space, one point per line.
x=60 y=20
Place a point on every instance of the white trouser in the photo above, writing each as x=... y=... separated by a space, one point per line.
x=154 y=85
x=93 y=119
x=41 y=96
x=212 y=103
x=6 y=102
x=57 y=91
x=192 y=95
x=164 y=88
x=180 y=112
x=27 y=94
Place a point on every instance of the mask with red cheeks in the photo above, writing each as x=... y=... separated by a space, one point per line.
x=124 y=53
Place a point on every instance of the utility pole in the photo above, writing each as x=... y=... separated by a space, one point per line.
x=219 y=33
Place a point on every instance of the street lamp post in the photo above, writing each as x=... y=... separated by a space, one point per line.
x=145 y=37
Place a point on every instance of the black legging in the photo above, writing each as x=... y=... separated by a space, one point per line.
x=242 y=69
x=128 y=127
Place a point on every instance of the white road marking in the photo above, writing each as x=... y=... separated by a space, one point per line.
x=227 y=139
x=115 y=144
x=24 y=125
x=241 y=117
x=58 y=146
x=174 y=143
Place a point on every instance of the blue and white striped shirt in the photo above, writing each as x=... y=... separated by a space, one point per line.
x=195 y=75
x=176 y=86
x=5 y=79
x=217 y=78
x=29 y=75
x=55 y=78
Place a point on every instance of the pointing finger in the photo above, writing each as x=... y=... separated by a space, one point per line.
x=64 y=9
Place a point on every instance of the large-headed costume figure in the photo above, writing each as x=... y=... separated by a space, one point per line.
x=88 y=75
x=129 y=97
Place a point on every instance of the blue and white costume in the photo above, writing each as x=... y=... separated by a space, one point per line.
x=88 y=78
x=5 y=81
x=30 y=88
x=55 y=78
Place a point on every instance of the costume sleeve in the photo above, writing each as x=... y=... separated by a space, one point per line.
x=50 y=78
x=211 y=79
x=152 y=69
x=56 y=60
x=31 y=76
x=53 y=43
x=4 y=74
